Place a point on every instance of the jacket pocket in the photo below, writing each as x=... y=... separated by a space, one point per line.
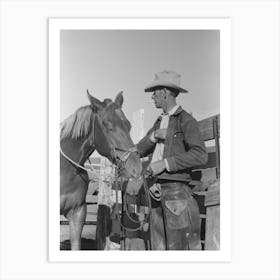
x=178 y=145
x=178 y=135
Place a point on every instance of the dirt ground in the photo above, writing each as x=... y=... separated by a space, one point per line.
x=88 y=238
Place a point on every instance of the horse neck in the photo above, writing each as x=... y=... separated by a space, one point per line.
x=73 y=149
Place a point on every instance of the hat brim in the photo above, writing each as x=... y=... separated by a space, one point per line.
x=155 y=85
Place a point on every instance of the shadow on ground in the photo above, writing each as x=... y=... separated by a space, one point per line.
x=87 y=244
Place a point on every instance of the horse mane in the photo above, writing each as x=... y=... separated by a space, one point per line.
x=78 y=124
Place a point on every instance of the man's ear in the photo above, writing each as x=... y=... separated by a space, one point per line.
x=94 y=102
x=165 y=93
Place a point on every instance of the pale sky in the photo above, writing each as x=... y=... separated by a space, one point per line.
x=106 y=62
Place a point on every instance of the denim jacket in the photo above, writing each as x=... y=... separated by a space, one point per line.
x=184 y=147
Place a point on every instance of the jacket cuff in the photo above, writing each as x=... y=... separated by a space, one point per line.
x=166 y=165
x=171 y=164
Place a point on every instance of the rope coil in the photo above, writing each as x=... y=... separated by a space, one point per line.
x=146 y=191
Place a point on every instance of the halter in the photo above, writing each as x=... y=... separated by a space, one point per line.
x=122 y=159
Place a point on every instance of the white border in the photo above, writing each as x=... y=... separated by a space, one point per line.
x=55 y=25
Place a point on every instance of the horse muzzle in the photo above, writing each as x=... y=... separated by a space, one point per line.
x=128 y=162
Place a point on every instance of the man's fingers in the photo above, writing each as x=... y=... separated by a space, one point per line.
x=161 y=133
x=156 y=167
x=149 y=171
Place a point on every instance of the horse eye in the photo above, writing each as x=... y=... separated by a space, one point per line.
x=109 y=125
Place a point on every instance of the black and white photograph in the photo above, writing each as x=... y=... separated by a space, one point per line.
x=139 y=138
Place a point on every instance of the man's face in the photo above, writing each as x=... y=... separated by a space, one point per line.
x=159 y=97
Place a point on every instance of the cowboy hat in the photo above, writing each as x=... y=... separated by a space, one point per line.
x=168 y=79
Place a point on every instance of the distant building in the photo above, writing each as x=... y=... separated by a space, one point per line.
x=102 y=178
x=137 y=130
x=101 y=168
x=95 y=160
x=94 y=164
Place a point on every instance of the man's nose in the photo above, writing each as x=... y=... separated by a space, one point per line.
x=153 y=96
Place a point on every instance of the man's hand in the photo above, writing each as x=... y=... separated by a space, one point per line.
x=157 y=167
x=160 y=134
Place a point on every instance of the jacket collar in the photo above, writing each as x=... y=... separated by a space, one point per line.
x=172 y=111
x=178 y=111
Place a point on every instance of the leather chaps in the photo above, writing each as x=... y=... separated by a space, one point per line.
x=175 y=224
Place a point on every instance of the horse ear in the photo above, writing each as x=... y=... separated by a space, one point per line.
x=94 y=102
x=119 y=99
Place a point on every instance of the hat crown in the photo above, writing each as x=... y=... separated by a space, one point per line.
x=167 y=79
x=168 y=76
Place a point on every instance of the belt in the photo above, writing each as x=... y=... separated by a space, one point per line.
x=170 y=183
x=167 y=184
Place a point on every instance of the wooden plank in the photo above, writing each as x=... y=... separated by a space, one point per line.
x=212 y=162
x=212 y=196
x=208 y=175
x=206 y=127
x=212 y=235
x=91 y=199
x=212 y=204
x=217 y=141
x=87 y=223
x=211 y=149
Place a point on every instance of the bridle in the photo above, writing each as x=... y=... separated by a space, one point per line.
x=120 y=161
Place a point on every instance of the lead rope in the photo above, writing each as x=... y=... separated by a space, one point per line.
x=76 y=164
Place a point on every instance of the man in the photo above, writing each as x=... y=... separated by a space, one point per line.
x=176 y=146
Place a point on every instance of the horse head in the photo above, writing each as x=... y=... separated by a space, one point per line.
x=112 y=128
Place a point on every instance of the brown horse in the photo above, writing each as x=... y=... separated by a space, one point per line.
x=102 y=126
